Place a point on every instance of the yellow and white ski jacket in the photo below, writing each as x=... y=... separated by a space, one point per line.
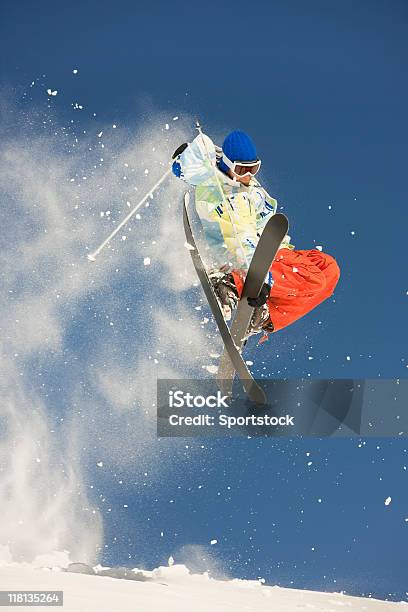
x=233 y=216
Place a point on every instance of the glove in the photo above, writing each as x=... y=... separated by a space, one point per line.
x=176 y=167
x=262 y=297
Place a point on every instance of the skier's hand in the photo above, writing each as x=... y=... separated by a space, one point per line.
x=262 y=297
x=176 y=167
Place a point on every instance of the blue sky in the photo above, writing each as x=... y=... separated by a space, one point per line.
x=322 y=90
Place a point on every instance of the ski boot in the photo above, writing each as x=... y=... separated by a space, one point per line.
x=260 y=322
x=225 y=291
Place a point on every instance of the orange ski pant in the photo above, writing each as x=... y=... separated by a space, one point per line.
x=302 y=280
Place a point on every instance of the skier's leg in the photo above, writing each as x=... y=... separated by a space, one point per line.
x=227 y=293
x=225 y=290
x=303 y=279
x=261 y=321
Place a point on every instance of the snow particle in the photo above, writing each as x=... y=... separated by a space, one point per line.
x=212 y=369
x=146 y=261
x=213 y=542
x=75 y=71
x=387 y=501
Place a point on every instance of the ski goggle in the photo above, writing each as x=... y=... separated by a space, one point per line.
x=241 y=168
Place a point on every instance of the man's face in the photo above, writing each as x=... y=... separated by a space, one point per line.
x=244 y=180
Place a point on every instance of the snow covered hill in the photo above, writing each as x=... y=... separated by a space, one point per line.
x=173 y=589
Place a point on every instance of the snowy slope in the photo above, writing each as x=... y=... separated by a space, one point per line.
x=174 y=589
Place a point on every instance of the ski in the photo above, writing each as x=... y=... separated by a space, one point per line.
x=269 y=242
x=254 y=391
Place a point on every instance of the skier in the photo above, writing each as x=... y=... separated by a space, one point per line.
x=234 y=209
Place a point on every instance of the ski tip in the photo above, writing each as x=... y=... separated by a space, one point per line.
x=282 y=218
x=257 y=394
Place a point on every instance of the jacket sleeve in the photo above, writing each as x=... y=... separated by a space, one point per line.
x=265 y=207
x=197 y=162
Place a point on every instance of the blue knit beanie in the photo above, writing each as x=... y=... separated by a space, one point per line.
x=238 y=146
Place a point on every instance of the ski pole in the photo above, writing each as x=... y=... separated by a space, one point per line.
x=92 y=256
x=225 y=201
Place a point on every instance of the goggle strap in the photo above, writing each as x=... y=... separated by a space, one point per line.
x=231 y=165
